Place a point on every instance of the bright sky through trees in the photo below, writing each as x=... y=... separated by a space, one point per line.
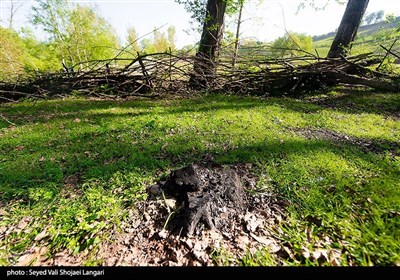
x=264 y=22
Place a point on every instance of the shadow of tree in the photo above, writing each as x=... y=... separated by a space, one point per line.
x=98 y=153
x=44 y=111
x=360 y=101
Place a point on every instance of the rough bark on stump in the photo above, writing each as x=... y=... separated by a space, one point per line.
x=205 y=197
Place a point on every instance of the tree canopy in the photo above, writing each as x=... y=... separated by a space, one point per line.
x=78 y=33
x=292 y=44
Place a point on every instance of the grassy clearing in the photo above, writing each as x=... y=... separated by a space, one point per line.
x=70 y=170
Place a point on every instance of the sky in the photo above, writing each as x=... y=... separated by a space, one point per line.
x=262 y=20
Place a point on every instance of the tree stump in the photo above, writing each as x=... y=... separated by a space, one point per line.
x=205 y=197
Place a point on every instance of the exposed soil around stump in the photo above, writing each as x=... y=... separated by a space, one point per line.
x=201 y=215
x=197 y=214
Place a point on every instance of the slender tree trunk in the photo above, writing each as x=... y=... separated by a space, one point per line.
x=348 y=27
x=236 y=49
x=207 y=54
x=14 y=7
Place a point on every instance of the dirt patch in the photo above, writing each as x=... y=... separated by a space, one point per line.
x=70 y=187
x=196 y=215
x=200 y=215
x=365 y=144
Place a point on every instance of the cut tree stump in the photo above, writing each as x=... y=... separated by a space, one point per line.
x=205 y=197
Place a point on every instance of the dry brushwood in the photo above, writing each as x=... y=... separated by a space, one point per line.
x=151 y=74
x=312 y=75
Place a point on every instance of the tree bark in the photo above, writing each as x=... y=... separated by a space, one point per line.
x=348 y=27
x=206 y=56
x=236 y=49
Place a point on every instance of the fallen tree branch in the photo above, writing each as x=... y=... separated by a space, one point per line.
x=390 y=51
x=343 y=78
x=154 y=74
x=6 y=120
x=387 y=53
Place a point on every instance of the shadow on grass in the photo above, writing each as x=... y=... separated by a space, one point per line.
x=361 y=101
x=149 y=157
x=97 y=155
x=44 y=111
x=343 y=100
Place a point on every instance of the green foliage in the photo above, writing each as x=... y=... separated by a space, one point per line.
x=361 y=48
x=147 y=46
x=77 y=32
x=52 y=16
x=390 y=18
x=386 y=34
x=388 y=38
x=11 y=55
x=21 y=55
x=188 y=50
x=76 y=35
x=160 y=41
x=197 y=10
x=368 y=39
x=292 y=44
x=39 y=56
x=233 y=6
x=132 y=39
x=77 y=224
x=261 y=257
x=228 y=40
x=171 y=34
x=318 y=5
x=90 y=36
x=222 y=257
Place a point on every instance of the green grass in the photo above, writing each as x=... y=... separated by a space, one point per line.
x=368 y=39
x=73 y=168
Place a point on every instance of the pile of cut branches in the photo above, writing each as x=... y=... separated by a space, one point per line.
x=290 y=76
x=150 y=75
x=141 y=76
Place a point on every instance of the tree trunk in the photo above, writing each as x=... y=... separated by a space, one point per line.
x=348 y=27
x=206 y=56
x=236 y=49
x=14 y=7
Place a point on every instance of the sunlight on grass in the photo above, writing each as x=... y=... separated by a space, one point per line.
x=74 y=167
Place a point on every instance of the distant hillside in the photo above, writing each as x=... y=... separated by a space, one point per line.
x=365 y=30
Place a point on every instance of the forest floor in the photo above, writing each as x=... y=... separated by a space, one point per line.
x=81 y=180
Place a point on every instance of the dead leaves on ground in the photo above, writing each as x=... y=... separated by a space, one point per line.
x=146 y=241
